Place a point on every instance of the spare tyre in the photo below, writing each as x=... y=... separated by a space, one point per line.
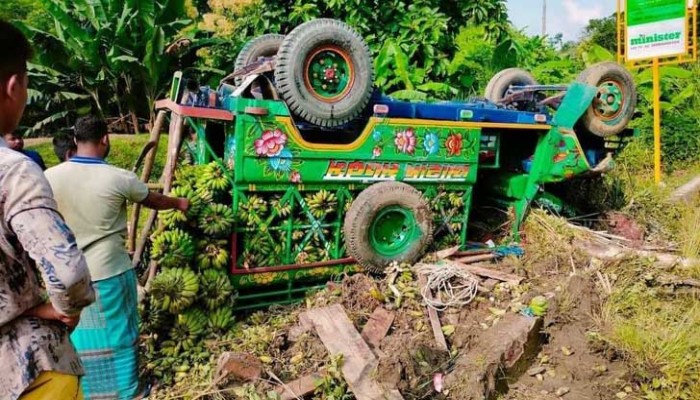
x=262 y=46
x=388 y=222
x=324 y=72
x=613 y=107
x=498 y=86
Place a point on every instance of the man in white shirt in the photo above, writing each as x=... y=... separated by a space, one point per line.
x=92 y=197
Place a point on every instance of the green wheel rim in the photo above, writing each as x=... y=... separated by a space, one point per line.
x=393 y=231
x=610 y=99
x=329 y=73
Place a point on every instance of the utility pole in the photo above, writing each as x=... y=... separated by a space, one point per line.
x=544 y=18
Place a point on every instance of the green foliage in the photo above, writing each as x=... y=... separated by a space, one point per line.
x=24 y=10
x=603 y=32
x=112 y=51
x=435 y=22
x=476 y=59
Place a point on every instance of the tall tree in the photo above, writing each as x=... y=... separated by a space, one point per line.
x=602 y=32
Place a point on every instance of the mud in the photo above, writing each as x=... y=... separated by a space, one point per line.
x=622 y=225
x=569 y=358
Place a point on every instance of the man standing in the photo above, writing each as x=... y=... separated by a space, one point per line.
x=92 y=196
x=37 y=360
x=16 y=142
x=64 y=147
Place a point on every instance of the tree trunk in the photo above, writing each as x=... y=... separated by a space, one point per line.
x=135 y=122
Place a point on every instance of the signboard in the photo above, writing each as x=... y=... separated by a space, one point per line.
x=656 y=28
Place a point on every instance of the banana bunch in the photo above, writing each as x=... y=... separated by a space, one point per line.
x=252 y=209
x=174 y=289
x=211 y=254
x=205 y=195
x=188 y=327
x=299 y=233
x=186 y=176
x=321 y=203
x=348 y=204
x=311 y=253
x=153 y=318
x=221 y=320
x=162 y=366
x=261 y=251
x=438 y=202
x=282 y=209
x=456 y=199
x=173 y=218
x=173 y=248
x=216 y=220
x=170 y=348
x=215 y=288
x=448 y=240
x=212 y=177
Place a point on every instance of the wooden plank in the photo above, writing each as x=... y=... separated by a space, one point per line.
x=475 y=259
x=377 y=327
x=359 y=363
x=491 y=273
x=434 y=318
x=300 y=387
x=149 y=156
x=175 y=132
x=194 y=112
x=442 y=254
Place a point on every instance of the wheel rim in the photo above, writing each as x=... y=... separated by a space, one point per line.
x=609 y=100
x=329 y=74
x=393 y=231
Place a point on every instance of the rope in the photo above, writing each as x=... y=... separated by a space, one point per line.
x=454 y=286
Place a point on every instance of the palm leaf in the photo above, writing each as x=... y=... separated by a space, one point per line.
x=51 y=119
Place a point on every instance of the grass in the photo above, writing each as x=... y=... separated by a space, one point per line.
x=654 y=329
x=123 y=154
x=657 y=334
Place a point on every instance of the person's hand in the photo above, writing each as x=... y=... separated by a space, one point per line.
x=183 y=204
x=47 y=312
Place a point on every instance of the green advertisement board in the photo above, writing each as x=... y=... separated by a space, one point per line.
x=656 y=28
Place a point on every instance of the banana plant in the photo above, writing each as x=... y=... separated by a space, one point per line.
x=113 y=50
x=54 y=97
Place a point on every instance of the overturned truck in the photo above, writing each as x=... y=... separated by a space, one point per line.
x=326 y=174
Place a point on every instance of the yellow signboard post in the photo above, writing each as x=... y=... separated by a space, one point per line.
x=654 y=33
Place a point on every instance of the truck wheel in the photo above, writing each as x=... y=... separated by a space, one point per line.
x=324 y=72
x=613 y=106
x=499 y=84
x=387 y=222
x=262 y=46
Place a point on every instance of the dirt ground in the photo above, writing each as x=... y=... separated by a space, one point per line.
x=568 y=361
x=571 y=364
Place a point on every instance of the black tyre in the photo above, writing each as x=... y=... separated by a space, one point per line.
x=387 y=222
x=613 y=107
x=500 y=83
x=262 y=46
x=324 y=72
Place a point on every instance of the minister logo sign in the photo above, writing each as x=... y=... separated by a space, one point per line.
x=656 y=28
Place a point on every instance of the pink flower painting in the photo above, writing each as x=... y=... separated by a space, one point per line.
x=270 y=143
x=405 y=141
